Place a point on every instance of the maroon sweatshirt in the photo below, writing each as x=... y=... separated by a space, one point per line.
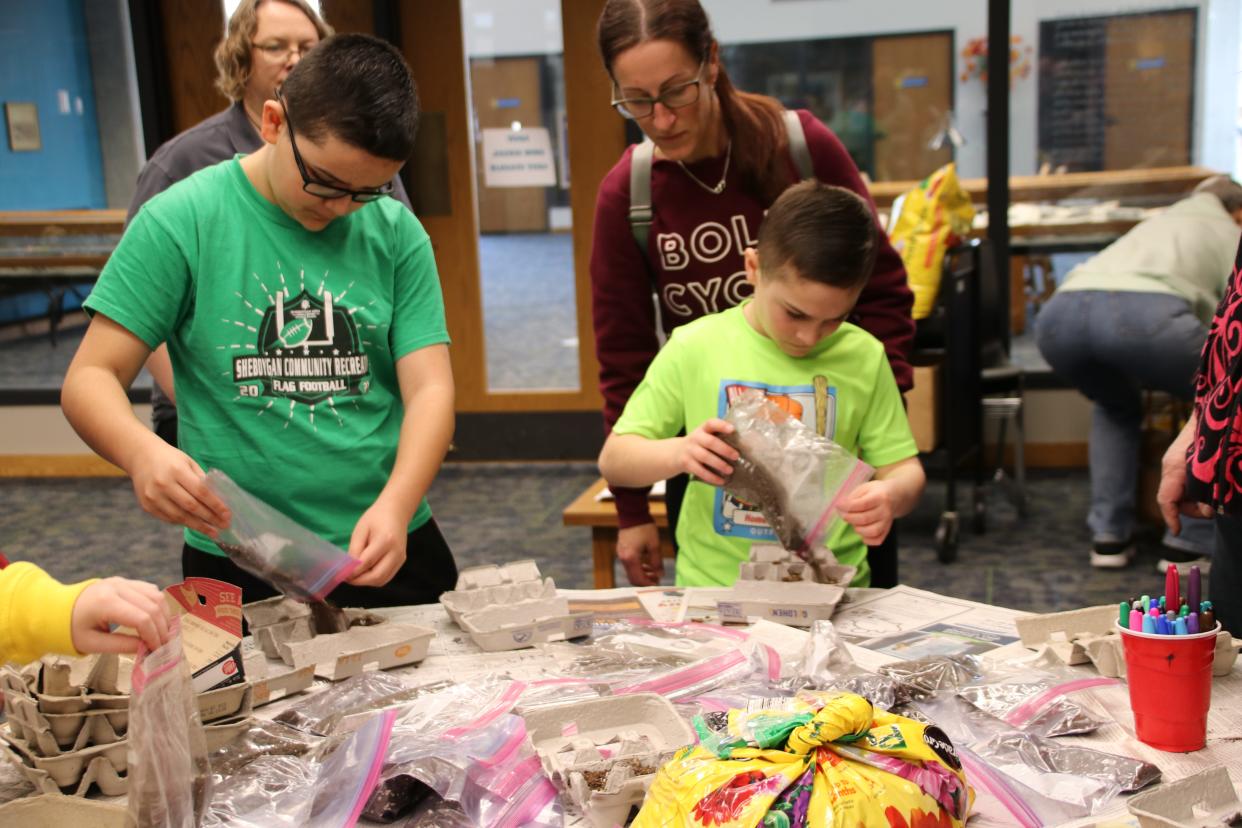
x=695 y=245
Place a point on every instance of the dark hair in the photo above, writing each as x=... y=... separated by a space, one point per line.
x=826 y=234
x=1226 y=189
x=752 y=121
x=358 y=88
x=233 y=52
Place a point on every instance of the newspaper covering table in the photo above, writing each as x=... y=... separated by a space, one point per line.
x=879 y=626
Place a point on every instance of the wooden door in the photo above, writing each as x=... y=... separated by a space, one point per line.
x=431 y=38
x=912 y=88
x=506 y=90
x=1148 y=90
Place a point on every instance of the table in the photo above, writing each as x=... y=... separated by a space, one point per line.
x=867 y=619
x=601 y=516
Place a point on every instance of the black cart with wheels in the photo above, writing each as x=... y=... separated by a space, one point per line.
x=952 y=333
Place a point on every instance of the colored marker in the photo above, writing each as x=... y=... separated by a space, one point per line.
x=1123 y=616
x=1205 y=605
x=1184 y=611
x=1170 y=616
x=1194 y=588
x=1207 y=620
x=1180 y=627
x=1149 y=624
x=1146 y=603
x=1135 y=620
x=1172 y=586
x=1162 y=600
x=1154 y=611
x=1192 y=623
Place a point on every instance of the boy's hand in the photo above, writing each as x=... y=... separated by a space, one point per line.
x=122 y=602
x=704 y=455
x=638 y=549
x=378 y=542
x=869 y=509
x=172 y=487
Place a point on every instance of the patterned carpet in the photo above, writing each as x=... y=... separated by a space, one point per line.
x=498 y=512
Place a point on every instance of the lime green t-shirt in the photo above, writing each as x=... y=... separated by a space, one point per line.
x=284 y=342
x=709 y=362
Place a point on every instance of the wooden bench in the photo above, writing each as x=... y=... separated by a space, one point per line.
x=601 y=516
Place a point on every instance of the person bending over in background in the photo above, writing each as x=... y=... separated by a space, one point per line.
x=1134 y=317
x=303 y=315
x=264 y=40
x=816 y=248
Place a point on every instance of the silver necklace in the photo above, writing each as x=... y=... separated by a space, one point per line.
x=720 y=185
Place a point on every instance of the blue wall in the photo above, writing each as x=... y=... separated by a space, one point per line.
x=42 y=50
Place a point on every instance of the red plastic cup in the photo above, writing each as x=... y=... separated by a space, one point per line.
x=1170 y=679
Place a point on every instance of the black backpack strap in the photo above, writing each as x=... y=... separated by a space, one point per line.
x=797 y=145
x=641 y=214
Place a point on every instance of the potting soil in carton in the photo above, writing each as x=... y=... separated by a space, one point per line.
x=334 y=644
x=509 y=607
x=780 y=586
x=604 y=753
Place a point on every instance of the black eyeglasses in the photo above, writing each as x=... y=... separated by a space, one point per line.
x=320 y=189
x=679 y=96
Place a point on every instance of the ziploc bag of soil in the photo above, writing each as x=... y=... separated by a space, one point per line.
x=796 y=477
x=824 y=760
x=275 y=548
x=169 y=775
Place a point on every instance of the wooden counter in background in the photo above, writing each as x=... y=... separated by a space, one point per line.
x=42 y=223
x=601 y=516
x=1109 y=184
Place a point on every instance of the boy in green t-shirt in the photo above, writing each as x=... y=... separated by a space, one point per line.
x=791 y=341
x=303 y=316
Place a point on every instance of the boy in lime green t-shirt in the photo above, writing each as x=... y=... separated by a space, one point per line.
x=304 y=320
x=791 y=341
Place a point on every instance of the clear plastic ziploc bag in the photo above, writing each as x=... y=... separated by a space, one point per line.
x=794 y=476
x=275 y=548
x=169 y=776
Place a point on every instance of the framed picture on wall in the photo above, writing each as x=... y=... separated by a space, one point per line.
x=23 y=122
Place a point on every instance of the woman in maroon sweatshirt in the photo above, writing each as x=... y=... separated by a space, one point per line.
x=722 y=157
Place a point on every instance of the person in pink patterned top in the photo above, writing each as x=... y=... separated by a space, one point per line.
x=1201 y=475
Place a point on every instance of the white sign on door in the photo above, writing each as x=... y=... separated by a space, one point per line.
x=518 y=158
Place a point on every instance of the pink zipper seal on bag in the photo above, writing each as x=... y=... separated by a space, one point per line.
x=1026 y=711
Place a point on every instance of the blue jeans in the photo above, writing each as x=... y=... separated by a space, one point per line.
x=1111 y=346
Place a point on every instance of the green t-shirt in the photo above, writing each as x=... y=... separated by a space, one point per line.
x=705 y=365
x=284 y=342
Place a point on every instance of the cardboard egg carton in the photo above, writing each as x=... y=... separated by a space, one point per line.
x=480 y=587
x=510 y=606
x=100 y=766
x=285 y=629
x=1090 y=635
x=769 y=562
x=55 y=734
x=779 y=586
x=605 y=752
x=1205 y=799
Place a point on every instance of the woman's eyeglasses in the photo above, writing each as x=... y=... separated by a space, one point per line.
x=278 y=51
x=320 y=189
x=677 y=97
